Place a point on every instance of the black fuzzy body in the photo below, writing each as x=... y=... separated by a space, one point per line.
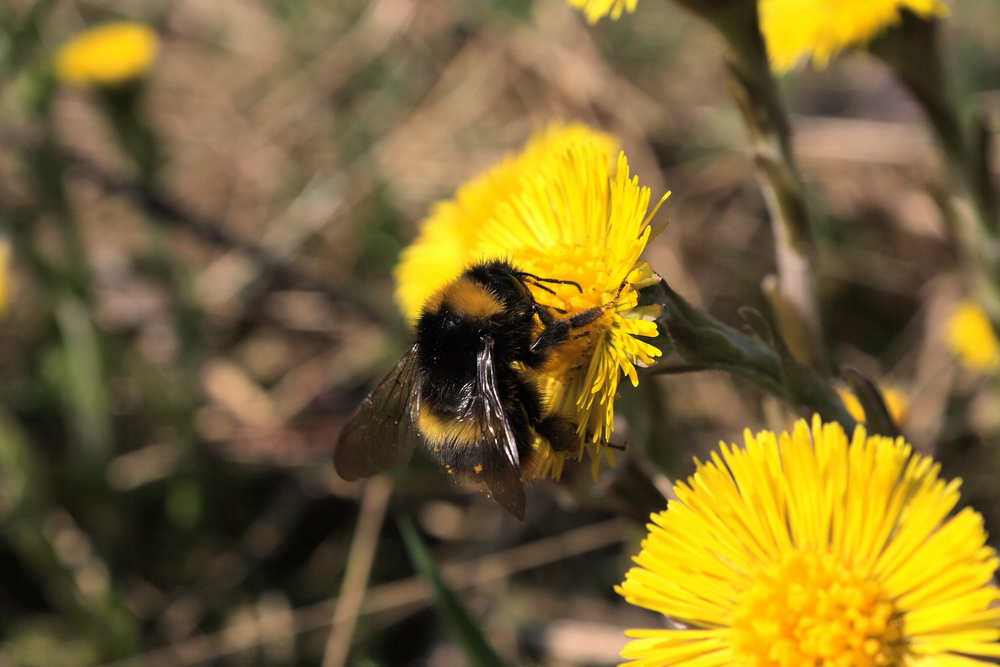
x=465 y=391
x=450 y=342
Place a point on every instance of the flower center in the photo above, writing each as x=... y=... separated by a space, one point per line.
x=811 y=609
x=574 y=263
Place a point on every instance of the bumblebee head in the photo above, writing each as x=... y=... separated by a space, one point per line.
x=503 y=282
x=484 y=291
x=489 y=288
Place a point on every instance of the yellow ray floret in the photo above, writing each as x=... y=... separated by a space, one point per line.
x=107 y=55
x=449 y=237
x=5 y=284
x=595 y=10
x=897 y=403
x=819 y=29
x=809 y=548
x=972 y=338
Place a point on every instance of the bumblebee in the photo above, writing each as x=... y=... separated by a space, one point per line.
x=465 y=391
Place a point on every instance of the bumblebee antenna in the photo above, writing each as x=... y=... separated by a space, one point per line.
x=538 y=280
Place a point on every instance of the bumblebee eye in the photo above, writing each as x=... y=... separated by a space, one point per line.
x=507 y=284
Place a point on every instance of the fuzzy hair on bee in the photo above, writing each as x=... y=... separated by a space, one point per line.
x=464 y=391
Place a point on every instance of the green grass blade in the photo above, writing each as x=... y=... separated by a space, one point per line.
x=462 y=626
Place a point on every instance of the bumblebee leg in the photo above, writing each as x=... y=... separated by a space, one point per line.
x=560 y=434
x=553 y=334
x=558 y=431
x=544 y=314
x=557 y=330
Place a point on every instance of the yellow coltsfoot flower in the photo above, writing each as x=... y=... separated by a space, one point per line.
x=820 y=29
x=5 y=283
x=107 y=55
x=807 y=548
x=897 y=403
x=971 y=337
x=448 y=238
x=556 y=210
x=598 y=9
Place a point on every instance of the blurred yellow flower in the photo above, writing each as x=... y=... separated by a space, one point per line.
x=5 y=288
x=556 y=211
x=598 y=9
x=820 y=29
x=107 y=55
x=896 y=402
x=972 y=338
x=806 y=548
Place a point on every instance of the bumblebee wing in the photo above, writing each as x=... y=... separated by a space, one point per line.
x=501 y=460
x=381 y=433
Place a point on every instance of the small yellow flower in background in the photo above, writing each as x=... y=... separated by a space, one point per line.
x=896 y=402
x=556 y=210
x=806 y=548
x=972 y=338
x=107 y=55
x=820 y=29
x=598 y=9
x=5 y=289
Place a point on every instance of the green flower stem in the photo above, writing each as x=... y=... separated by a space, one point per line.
x=737 y=21
x=693 y=340
x=794 y=298
x=911 y=50
x=468 y=633
x=28 y=519
x=76 y=365
x=22 y=36
x=45 y=163
x=122 y=106
x=78 y=370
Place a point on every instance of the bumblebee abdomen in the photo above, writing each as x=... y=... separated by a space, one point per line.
x=447 y=359
x=468 y=442
x=444 y=431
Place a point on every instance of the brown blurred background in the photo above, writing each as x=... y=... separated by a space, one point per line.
x=303 y=141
